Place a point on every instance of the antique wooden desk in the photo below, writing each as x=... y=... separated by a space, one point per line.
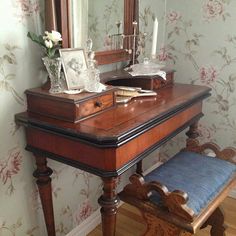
x=109 y=143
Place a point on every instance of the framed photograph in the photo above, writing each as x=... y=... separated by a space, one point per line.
x=74 y=63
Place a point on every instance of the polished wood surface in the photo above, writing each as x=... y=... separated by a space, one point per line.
x=127 y=120
x=130 y=221
x=140 y=126
x=111 y=142
x=68 y=107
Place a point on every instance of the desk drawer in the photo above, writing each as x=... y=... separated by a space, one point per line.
x=71 y=108
x=95 y=105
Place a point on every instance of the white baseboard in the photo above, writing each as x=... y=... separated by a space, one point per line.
x=87 y=225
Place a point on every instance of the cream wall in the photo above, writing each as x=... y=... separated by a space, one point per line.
x=199 y=44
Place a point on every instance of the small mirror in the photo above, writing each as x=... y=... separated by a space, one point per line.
x=106 y=21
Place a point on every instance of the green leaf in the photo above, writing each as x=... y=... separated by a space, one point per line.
x=41 y=40
x=37 y=39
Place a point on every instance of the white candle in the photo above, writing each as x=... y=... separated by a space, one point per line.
x=154 y=37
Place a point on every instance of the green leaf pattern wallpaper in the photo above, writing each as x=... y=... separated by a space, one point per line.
x=196 y=37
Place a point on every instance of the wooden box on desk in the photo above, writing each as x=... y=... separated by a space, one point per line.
x=72 y=108
x=151 y=82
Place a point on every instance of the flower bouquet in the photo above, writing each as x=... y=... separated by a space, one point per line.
x=51 y=43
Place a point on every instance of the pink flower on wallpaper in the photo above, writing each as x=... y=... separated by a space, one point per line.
x=163 y=54
x=25 y=8
x=10 y=166
x=173 y=17
x=213 y=9
x=84 y=211
x=208 y=75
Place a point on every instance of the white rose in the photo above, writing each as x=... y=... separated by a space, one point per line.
x=54 y=36
x=48 y=43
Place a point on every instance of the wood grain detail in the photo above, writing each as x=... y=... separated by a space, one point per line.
x=95 y=105
x=69 y=108
x=109 y=159
x=143 y=142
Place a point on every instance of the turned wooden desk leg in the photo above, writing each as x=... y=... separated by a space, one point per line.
x=193 y=134
x=42 y=173
x=109 y=202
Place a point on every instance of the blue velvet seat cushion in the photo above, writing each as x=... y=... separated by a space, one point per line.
x=201 y=177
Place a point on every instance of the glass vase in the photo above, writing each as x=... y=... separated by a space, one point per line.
x=53 y=66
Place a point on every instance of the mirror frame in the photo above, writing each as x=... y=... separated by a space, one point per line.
x=57 y=18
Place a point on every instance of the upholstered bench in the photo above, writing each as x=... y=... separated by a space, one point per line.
x=183 y=194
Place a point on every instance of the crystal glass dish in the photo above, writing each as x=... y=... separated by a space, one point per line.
x=146 y=68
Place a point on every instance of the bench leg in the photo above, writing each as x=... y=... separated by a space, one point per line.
x=216 y=221
x=156 y=226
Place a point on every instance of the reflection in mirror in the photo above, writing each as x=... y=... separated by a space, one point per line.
x=105 y=24
x=100 y=20
x=60 y=15
x=78 y=23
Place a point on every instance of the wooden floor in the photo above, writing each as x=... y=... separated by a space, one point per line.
x=130 y=223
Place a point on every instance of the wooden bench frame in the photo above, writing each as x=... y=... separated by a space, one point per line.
x=174 y=217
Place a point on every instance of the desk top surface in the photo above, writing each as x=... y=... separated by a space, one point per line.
x=117 y=125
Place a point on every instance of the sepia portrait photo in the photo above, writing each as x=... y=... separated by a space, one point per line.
x=75 y=65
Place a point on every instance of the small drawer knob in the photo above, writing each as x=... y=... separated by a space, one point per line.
x=98 y=104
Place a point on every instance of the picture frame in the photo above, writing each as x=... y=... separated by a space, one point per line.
x=74 y=63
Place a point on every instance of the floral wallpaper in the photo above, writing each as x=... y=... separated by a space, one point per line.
x=196 y=38
x=103 y=17
x=75 y=192
x=200 y=45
